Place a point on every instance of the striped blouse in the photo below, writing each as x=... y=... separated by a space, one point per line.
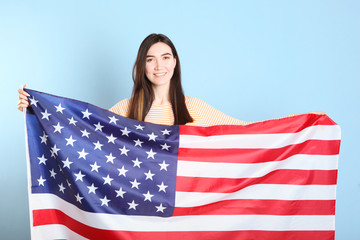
x=202 y=113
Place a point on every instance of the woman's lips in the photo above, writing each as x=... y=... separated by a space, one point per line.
x=159 y=74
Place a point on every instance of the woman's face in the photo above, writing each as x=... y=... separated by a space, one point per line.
x=160 y=64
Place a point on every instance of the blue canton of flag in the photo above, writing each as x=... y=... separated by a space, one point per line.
x=99 y=161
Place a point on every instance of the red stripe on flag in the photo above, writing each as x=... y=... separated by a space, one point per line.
x=262 y=207
x=314 y=147
x=293 y=125
x=283 y=176
x=53 y=216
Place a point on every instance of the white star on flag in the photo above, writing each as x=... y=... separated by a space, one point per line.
x=133 y=205
x=160 y=208
x=162 y=187
x=52 y=173
x=61 y=188
x=70 y=141
x=41 y=181
x=122 y=171
x=110 y=158
x=85 y=133
x=149 y=175
x=163 y=166
x=139 y=127
x=113 y=119
x=136 y=163
x=148 y=196
x=58 y=128
x=94 y=167
x=78 y=198
x=67 y=163
x=98 y=145
x=135 y=184
x=104 y=201
x=152 y=137
x=151 y=154
x=107 y=180
x=86 y=114
x=45 y=115
x=92 y=189
x=79 y=176
x=166 y=132
x=125 y=131
x=124 y=150
x=59 y=108
x=54 y=151
x=98 y=127
x=82 y=154
x=111 y=139
x=44 y=138
x=72 y=121
x=33 y=101
x=165 y=147
x=42 y=160
x=138 y=143
x=120 y=193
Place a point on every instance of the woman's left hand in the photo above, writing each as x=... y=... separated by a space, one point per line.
x=319 y=113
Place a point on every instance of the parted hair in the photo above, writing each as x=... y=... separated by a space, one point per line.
x=143 y=95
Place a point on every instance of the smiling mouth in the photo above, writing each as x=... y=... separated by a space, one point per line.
x=159 y=74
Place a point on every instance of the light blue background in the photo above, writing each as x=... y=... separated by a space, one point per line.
x=253 y=60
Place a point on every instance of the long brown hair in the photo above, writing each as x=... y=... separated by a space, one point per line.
x=143 y=95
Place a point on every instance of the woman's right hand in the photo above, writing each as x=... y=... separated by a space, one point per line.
x=23 y=100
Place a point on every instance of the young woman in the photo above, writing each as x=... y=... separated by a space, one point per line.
x=157 y=94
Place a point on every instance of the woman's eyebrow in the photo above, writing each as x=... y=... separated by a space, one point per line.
x=161 y=55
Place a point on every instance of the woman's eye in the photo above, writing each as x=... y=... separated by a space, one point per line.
x=166 y=58
x=148 y=60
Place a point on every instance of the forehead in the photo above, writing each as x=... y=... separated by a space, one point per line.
x=158 y=49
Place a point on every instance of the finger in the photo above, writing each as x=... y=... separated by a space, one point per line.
x=24 y=102
x=23 y=97
x=26 y=94
x=22 y=92
x=19 y=107
x=22 y=105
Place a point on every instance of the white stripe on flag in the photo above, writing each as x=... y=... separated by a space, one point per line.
x=54 y=231
x=185 y=223
x=259 y=191
x=252 y=170
x=277 y=140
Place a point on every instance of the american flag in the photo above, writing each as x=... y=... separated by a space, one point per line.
x=96 y=175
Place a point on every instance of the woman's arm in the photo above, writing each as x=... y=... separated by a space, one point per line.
x=206 y=115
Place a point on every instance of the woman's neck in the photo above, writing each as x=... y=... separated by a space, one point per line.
x=161 y=95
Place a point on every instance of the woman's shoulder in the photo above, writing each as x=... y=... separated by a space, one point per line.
x=193 y=101
x=123 y=103
x=122 y=107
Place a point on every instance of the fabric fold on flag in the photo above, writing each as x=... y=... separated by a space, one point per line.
x=93 y=174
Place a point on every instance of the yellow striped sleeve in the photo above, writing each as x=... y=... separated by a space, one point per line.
x=206 y=115
x=121 y=108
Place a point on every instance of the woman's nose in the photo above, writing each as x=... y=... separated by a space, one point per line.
x=158 y=65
